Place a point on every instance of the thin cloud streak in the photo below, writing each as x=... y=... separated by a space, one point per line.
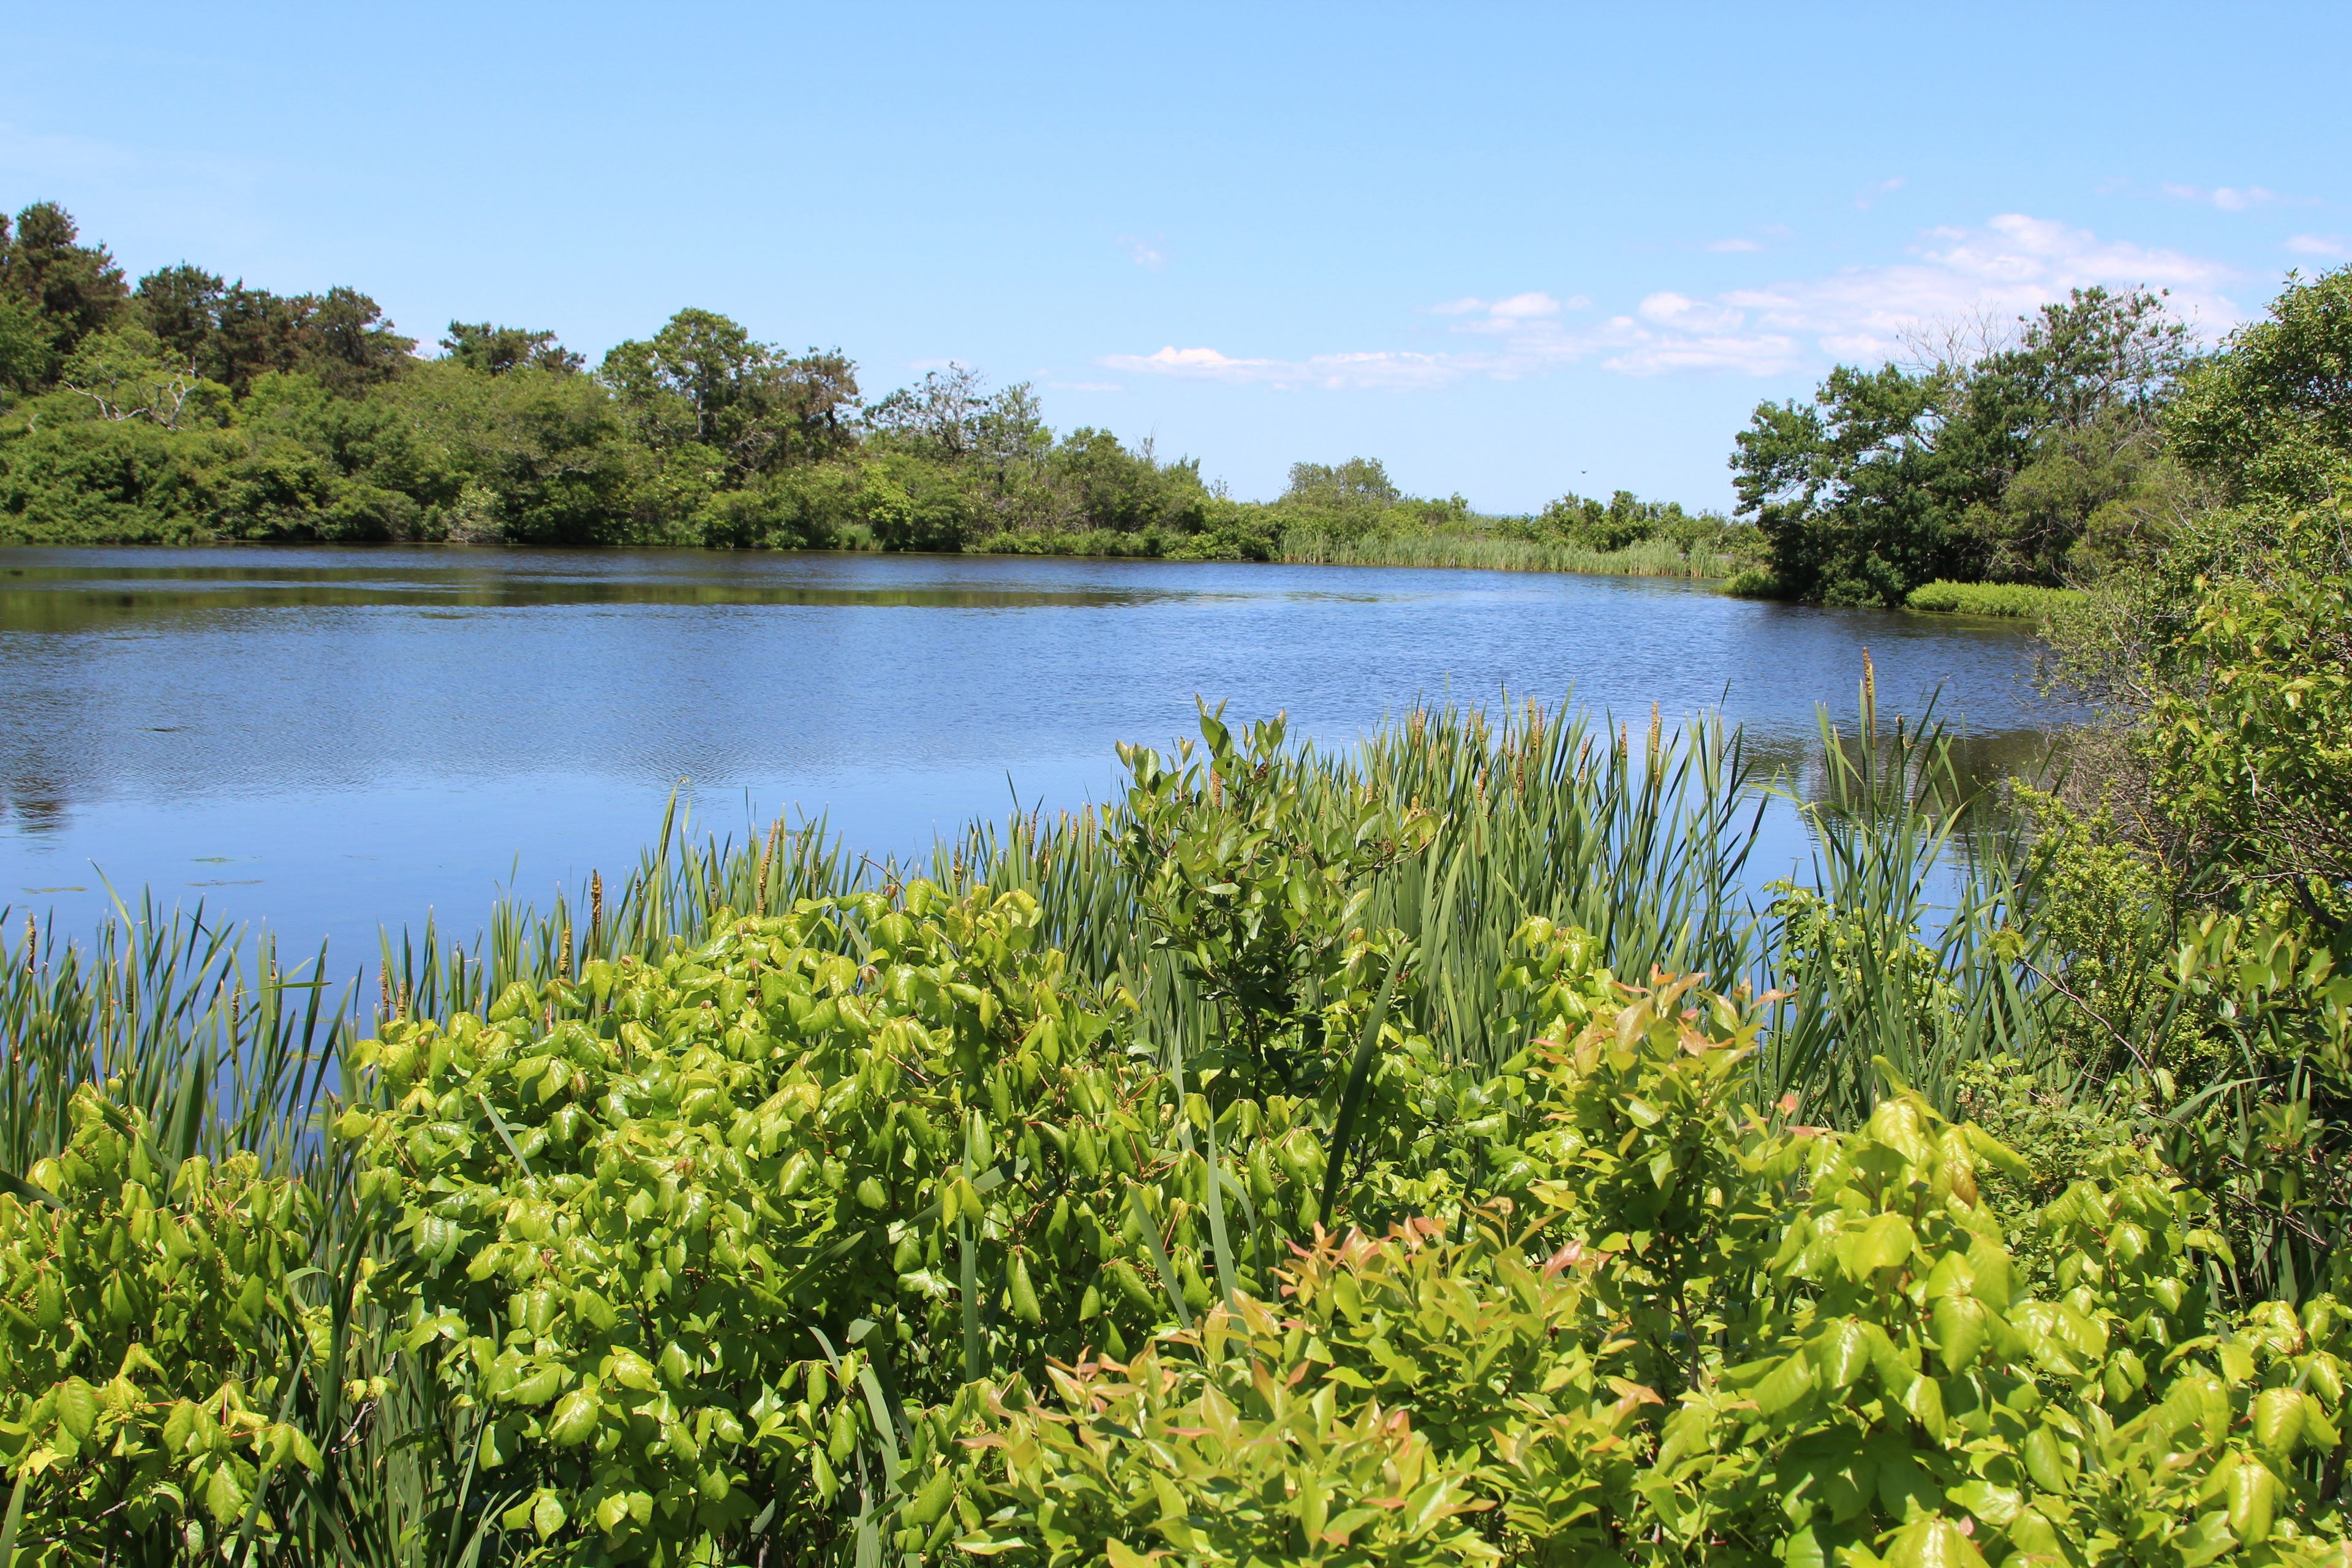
x=2231 y=198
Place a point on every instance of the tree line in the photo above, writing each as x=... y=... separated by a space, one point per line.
x=187 y=407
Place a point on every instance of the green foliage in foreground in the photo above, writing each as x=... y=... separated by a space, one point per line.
x=2020 y=601
x=2201 y=876
x=774 y=1246
x=1753 y=1342
x=134 y=1297
x=1296 y=1223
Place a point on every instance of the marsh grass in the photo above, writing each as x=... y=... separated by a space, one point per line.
x=1647 y=558
x=1902 y=945
x=1641 y=835
x=2015 y=601
x=224 y=1044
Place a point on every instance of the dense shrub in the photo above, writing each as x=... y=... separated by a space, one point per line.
x=866 y=1231
x=1748 y=1342
x=660 y=1224
x=132 y=1303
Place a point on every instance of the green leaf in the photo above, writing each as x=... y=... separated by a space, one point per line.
x=1935 y=1542
x=224 y=1499
x=1962 y=1323
x=1785 y=1384
x=1885 y=1242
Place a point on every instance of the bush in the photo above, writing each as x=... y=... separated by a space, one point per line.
x=1754 y=583
x=1748 y=1342
x=688 y=1233
x=134 y=1305
x=660 y=1223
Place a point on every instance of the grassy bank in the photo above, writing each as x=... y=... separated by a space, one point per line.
x=2017 y=601
x=1495 y=552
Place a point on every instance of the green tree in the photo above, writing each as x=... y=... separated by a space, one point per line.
x=494 y=351
x=2271 y=414
x=1625 y=518
x=1967 y=470
x=24 y=346
x=339 y=338
x=182 y=306
x=939 y=417
x=128 y=374
x=1358 y=482
x=1843 y=488
x=704 y=379
x=73 y=289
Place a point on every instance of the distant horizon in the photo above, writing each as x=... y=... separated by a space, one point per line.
x=1508 y=254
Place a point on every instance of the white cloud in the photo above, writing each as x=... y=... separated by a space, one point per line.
x=2008 y=267
x=1683 y=313
x=2229 y=199
x=1504 y=315
x=2334 y=246
x=1524 y=307
x=1151 y=255
x=1883 y=189
x=1656 y=353
x=1374 y=369
x=1733 y=247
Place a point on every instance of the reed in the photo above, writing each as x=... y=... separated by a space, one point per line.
x=1872 y=960
x=227 y=1045
x=1647 y=558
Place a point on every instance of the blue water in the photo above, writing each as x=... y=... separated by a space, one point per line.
x=330 y=740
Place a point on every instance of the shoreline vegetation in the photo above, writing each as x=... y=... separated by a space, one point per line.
x=2013 y=601
x=191 y=409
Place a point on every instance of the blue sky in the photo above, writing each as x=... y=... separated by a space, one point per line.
x=1511 y=251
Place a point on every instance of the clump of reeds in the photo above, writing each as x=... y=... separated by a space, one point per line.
x=1644 y=558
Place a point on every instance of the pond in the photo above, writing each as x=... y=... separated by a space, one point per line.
x=330 y=739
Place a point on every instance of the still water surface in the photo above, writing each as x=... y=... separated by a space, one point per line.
x=331 y=739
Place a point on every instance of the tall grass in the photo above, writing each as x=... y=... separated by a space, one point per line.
x=1641 y=835
x=1647 y=558
x=2018 y=601
x=1642 y=841
x=225 y=1045
x=1869 y=960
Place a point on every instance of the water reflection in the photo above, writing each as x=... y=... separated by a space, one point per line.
x=70 y=597
x=335 y=737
